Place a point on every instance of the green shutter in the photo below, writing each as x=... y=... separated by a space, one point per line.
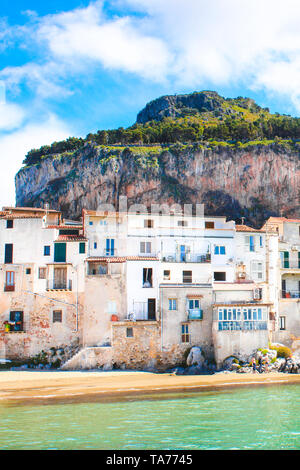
x=81 y=247
x=60 y=250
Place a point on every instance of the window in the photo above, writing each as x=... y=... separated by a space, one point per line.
x=285 y=259
x=257 y=270
x=282 y=323
x=260 y=241
x=185 y=336
x=81 y=247
x=182 y=223
x=16 y=321
x=9 y=281
x=28 y=270
x=172 y=304
x=95 y=245
x=10 y=223
x=147 y=277
x=187 y=277
x=8 y=256
x=209 y=225
x=167 y=275
x=91 y=223
x=42 y=273
x=129 y=332
x=110 y=247
x=60 y=252
x=219 y=276
x=220 y=250
x=249 y=239
x=194 y=304
x=46 y=250
x=57 y=316
x=145 y=247
x=148 y=223
x=111 y=307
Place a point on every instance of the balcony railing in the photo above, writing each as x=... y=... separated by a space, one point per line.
x=185 y=258
x=290 y=264
x=242 y=325
x=59 y=285
x=290 y=294
x=9 y=288
x=195 y=314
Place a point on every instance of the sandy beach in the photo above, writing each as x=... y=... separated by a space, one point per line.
x=47 y=387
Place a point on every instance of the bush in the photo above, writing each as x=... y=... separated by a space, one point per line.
x=282 y=351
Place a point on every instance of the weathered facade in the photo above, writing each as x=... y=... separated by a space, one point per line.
x=138 y=290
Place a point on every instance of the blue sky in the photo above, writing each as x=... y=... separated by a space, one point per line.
x=70 y=67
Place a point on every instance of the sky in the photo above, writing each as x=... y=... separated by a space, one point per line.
x=71 y=67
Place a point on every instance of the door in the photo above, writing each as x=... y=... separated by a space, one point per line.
x=60 y=278
x=8 y=256
x=60 y=250
x=151 y=309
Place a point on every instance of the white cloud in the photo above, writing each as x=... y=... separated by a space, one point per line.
x=15 y=145
x=11 y=116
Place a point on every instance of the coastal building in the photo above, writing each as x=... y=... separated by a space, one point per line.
x=288 y=278
x=41 y=280
x=138 y=289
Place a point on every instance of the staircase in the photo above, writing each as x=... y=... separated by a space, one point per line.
x=93 y=357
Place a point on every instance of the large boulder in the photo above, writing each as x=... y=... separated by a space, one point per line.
x=195 y=357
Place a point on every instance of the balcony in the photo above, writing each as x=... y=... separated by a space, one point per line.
x=59 y=285
x=9 y=288
x=290 y=294
x=185 y=258
x=249 y=325
x=290 y=264
x=195 y=314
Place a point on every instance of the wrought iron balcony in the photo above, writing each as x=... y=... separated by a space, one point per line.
x=59 y=285
x=185 y=258
x=195 y=314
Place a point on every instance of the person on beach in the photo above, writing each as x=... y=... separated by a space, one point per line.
x=267 y=364
x=260 y=363
x=253 y=362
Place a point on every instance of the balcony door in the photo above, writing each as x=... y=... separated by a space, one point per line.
x=151 y=309
x=60 y=278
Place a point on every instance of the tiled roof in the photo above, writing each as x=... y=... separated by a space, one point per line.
x=71 y=238
x=65 y=227
x=282 y=219
x=29 y=209
x=245 y=228
x=120 y=259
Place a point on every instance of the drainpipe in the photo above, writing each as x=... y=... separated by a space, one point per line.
x=161 y=319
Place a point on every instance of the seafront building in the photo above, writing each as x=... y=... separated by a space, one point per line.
x=138 y=290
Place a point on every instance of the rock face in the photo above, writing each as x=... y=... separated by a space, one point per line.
x=176 y=105
x=254 y=184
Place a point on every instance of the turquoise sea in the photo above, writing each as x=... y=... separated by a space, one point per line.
x=260 y=417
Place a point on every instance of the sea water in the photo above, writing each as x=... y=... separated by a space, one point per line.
x=262 y=417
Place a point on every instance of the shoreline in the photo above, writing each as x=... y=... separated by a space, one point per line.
x=49 y=387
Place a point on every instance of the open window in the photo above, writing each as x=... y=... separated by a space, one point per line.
x=147 y=277
x=16 y=321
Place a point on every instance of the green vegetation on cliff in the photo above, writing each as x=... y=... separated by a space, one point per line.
x=204 y=118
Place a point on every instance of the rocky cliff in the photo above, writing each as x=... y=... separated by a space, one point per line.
x=237 y=182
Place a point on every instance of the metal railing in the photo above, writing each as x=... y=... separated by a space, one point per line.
x=290 y=294
x=59 y=285
x=185 y=258
x=290 y=264
x=246 y=325
x=195 y=314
